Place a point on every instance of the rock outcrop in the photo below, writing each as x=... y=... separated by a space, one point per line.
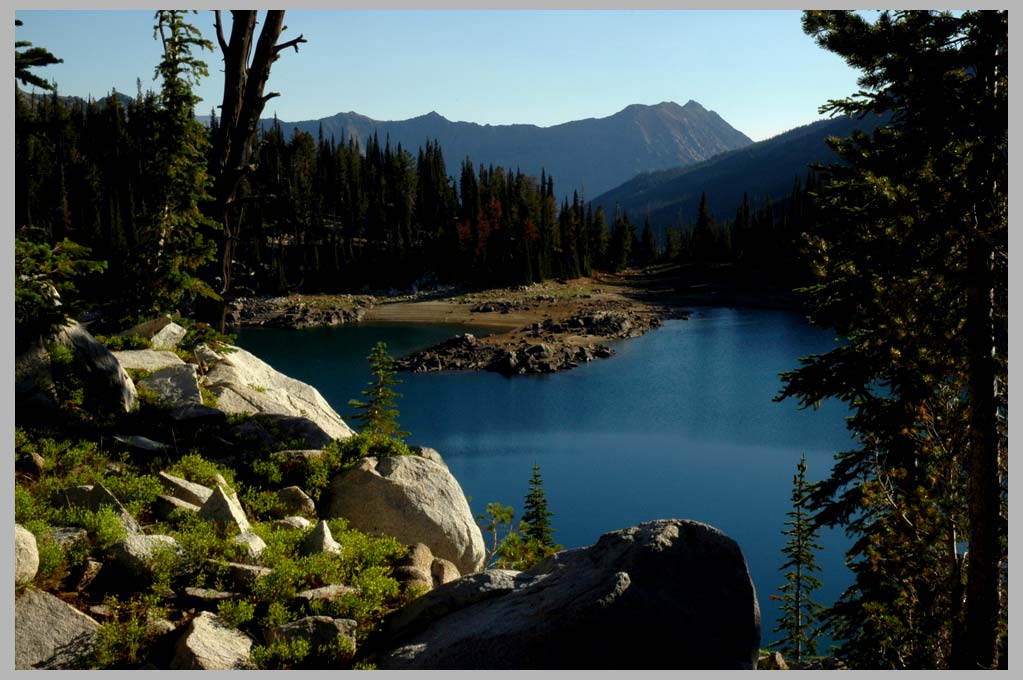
x=245 y=384
x=662 y=595
x=414 y=499
x=544 y=347
x=282 y=313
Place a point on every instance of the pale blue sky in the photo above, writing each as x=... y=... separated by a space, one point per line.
x=755 y=68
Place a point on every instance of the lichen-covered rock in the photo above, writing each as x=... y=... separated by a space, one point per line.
x=49 y=633
x=414 y=499
x=208 y=643
x=26 y=556
x=676 y=589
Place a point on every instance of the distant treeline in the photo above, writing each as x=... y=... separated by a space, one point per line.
x=325 y=215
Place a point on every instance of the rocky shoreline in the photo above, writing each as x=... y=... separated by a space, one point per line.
x=541 y=328
x=297 y=313
x=544 y=347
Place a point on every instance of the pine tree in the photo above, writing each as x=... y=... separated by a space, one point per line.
x=799 y=612
x=176 y=236
x=536 y=516
x=379 y=413
x=31 y=58
x=912 y=255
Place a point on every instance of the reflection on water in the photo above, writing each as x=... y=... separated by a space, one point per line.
x=680 y=423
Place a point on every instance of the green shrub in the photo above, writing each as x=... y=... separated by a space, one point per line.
x=236 y=613
x=261 y=503
x=280 y=655
x=135 y=492
x=343 y=453
x=277 y=614
x=200 y=543
x=56 y=562
x=104 y=526
x=123 y=640
x=45 y=282
x=117 y=343
x=208 y=398
x=195 y=468
x=200 y=332
x=28 y=507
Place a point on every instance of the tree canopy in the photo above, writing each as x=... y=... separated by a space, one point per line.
x=911 y=250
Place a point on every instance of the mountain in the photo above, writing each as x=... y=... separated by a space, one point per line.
x=589 y=156
x=765 y=170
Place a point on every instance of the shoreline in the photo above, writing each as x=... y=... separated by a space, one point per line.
x=537 y=328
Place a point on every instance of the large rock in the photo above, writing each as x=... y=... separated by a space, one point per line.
x=319 y=541
x=245 y=384
x=168 y=337
x=316 y=630
x=225 y=512
x=663 y=595
x=414 y=499
x=48 y=633
x=107 y=386
x=26 y=556
x=208 y=643
x=175 y=386
x=182 y=489
x=147 y=359
x=134 y=556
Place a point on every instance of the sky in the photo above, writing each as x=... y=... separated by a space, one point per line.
x=755 y=68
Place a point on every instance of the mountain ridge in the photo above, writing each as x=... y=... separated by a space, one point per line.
x=764 y=170
x=590 y=156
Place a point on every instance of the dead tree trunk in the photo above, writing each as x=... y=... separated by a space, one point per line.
x=244 y=82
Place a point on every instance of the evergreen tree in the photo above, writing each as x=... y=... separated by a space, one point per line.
x=800 y=614
x=31 y=58
x=378 y=414
x=175 y=239
x=536 y=516
x=912 y=252
x=648 y=245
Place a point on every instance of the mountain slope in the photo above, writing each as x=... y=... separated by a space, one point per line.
x=765 y=170
x=589 y=156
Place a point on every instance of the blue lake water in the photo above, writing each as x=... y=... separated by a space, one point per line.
x=680 y=423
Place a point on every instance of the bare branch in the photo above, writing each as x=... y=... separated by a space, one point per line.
x=269 y=96
x=220 y=31
x=291 y=43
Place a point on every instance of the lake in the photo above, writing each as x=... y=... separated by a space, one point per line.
x=680 y=423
